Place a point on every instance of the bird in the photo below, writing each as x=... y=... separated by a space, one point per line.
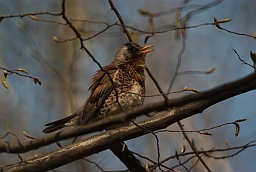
x=115 y=88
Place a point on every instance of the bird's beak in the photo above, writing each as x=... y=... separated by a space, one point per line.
x=145 y=50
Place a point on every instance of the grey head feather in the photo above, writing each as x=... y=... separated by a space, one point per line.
x=126 y=53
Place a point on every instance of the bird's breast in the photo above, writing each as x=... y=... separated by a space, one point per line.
x=129 y=92
x=135 y=96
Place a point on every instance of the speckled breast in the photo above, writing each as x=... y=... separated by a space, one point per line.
x=130 y=90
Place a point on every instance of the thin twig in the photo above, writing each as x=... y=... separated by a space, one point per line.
x=202 y=131
x=242 y=148
x=184 y=162
x=97 y=165
x=29 y=14
x=244 y=62
x=100 y=32
x=157 y=141
x=178 y=62
x=192 y=146
x=236 y=33
x=121 y=20
x=17 y=72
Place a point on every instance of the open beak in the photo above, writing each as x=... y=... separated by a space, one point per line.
x=146 y=50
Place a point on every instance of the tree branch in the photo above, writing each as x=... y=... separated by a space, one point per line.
x=197 y=102
x=121 y=20
x=126 y=156
x=180 y=108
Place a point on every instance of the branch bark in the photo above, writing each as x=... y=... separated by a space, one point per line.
x=126 y=156
x=180 y=108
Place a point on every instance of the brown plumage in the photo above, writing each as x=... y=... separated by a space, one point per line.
x=128 y=81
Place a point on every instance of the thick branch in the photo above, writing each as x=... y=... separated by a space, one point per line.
x=181 y=108
x=126 y=156
x=197 y=102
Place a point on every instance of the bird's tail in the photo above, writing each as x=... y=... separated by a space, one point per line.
x=59 y=124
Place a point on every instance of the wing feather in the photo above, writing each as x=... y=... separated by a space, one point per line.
x=100 y=88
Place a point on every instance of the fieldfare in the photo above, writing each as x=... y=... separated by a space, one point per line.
x=119 y=87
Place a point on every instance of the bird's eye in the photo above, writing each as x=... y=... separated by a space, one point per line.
x=133 y=49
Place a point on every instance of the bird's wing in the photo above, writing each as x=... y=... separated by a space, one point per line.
x=100 y=88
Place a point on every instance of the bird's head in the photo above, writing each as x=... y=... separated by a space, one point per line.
x=131 y=52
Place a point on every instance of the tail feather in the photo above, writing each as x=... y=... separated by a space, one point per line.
x=53 y=128
x=59 y=124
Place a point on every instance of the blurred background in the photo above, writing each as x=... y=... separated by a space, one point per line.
x=65 y=71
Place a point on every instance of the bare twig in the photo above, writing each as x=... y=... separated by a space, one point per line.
x=232 y=32
x=177 y=67
x=157 y=140
x=28 y=14
x=92 y=162
x=244 y=62
x=184 y=162
x=100 y=32
x=202 y=131
x=207 y=72
x=121 y=20
x=242 y=148
x=17 y=72
x=193 y=147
